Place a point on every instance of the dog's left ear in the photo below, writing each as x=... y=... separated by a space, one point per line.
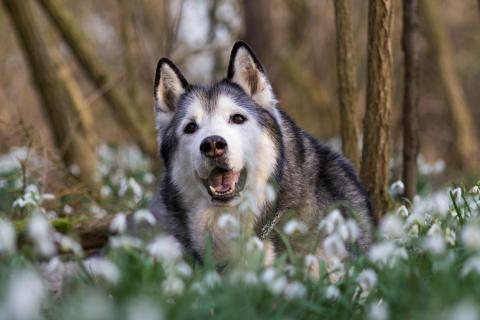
x=246 y=70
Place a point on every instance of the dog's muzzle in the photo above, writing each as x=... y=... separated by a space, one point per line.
x=224 y=184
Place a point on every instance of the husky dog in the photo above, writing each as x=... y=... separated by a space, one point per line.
x=225 y=144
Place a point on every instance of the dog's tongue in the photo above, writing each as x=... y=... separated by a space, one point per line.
x=222 y=180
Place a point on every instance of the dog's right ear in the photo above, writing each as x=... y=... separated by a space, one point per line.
x=169 y=86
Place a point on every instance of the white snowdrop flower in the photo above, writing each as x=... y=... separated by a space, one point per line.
x=268 y=275
x=136 y=189
x=270 y=193
x=457 y=195
x=148 y=178
x=435 y=243
x=378 y=311
x=402 y=211
x=332 y=293
x=278 y=285
x=254 y=244
x=51 y=215
x=471 y=236
x=228 y=222
x=198 y=287
x=48 y=197
x=294 y=290
x=144 y=215
x=122 y=190
x=475 y=190
x=97 y=212
x=391 y=227
x=67 y=209
x=465 y=310
x=333 y=245
x=397 y=188
x=471 y=265
x=173 y=285
x=165 y=248
x=40 y=232
x=450 y=236
x=367 y=280
x=331 y=221
x=38 y=227
x=289 y=270
x=212 y=279
x=310 y=261
x=106 y=191
x=294 y=226
x=119 y=223
x=248 y=278
x=144 y=309
x=353 y=230
x=414 y=231
x=336 y=268
x=8 y=238
x=183 y=269
x=74 y=170
x=54 y=266
x=67 y=244
x=434 y=229
x=3 y=183
x=24 y=295
x=386 y=253
x=125 y=241
x=103 y=268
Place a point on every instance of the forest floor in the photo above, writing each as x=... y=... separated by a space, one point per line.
x=66 y=255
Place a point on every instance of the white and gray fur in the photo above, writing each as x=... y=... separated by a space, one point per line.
x=310 y=178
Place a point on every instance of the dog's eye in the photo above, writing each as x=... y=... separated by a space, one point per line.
x=190 y=128
x=238 y=118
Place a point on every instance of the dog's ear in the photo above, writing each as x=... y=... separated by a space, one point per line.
x=169 y=85
x=246 y=70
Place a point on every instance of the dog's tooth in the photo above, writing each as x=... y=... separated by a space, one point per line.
x=212 y=189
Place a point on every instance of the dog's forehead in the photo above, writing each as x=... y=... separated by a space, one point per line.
x=209 y=102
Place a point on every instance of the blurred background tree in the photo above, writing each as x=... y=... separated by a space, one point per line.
x=108 y=51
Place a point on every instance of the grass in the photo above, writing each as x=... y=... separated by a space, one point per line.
x=425 y=264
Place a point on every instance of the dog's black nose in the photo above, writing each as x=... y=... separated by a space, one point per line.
x=213 y=146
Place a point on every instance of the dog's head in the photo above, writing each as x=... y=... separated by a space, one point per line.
x=218 y=140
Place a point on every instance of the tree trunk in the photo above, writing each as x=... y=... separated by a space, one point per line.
x=127 y=32
x=410 y=97
x=464 y=143
x=72 y=131
x=259 y=29
x=376 y=132
x=126 y=116
x=347 y=86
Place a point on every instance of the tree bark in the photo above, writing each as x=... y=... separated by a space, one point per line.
x=465 y=143
x=59 y=95
x=127 y=32
x=126 y=116
x=259 y=29
x=347 y=85
x=376 y=136
x=410 y=97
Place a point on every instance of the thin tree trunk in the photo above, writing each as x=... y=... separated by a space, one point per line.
x=376 y=136
x=126 y=116
x=465 y=143
x=127 y=32
x=59 y=96
x=258 y=29
x=347 y=86
x=410 y=97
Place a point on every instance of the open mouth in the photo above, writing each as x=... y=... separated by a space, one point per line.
x=224 y=185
